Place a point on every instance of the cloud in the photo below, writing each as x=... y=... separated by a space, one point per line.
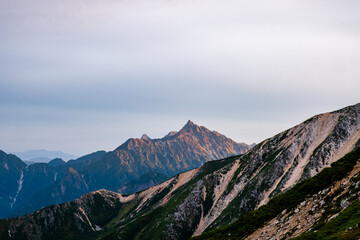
x=229 y=60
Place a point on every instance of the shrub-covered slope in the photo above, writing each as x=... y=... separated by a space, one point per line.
x=332 y=194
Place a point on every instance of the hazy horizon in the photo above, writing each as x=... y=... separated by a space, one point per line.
x=81 y=76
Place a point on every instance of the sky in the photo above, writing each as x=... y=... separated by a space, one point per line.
x=81 y=76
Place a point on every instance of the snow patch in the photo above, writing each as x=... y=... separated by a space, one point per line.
x=97 y=228
x=6 y=166
x=20 y=182
x=63 y=188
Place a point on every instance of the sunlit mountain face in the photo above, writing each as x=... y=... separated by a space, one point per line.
x=135 y=165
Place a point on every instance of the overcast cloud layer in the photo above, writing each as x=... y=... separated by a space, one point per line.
x=80 y=76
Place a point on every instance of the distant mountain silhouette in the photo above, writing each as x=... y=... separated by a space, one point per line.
x=43 y=155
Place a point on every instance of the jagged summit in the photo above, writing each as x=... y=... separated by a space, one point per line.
x=145 y=137
x=190 y=126
x=190 y=123
x=135 y=165
x=170 y=134
x=179 y=151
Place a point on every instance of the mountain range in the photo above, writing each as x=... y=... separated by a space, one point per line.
x=36 y=156
x=281 y=185
x=133 y=166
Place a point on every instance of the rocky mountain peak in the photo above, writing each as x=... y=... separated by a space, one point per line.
x=145 y=137
x=170 y=134
x=135 y=165
x=190 y=123
x=190 y=127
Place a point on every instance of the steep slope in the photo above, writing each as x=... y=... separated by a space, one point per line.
x=189 y=148
x=35 y=178
x=99 y=213
x=65 y=189
x=219 y=192
x=11 y=176
x=278 y=163
x=135 y=165
x=326 y=206
x=77 y=218
x=86 y=160
x=143 y=182
x=28 y=188
x=47 y=184
x=56 y=162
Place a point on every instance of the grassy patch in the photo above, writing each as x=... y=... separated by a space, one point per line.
x=344 y=226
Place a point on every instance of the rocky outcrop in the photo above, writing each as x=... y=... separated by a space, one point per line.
x=77 y=219
x=189 y=148
x=219 y=192
x=134 y=166
x=217 y=197
x=325 y=206
x=280 y=162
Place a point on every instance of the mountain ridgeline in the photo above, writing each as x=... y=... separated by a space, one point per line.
x=218 y=193
x=187 y=149
x=37 y=156
x=135 y=165
x=325 y=206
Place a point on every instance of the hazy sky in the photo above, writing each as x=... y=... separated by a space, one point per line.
x=85 y=75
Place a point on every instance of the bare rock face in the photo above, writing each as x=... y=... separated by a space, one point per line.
x=323 y=206
x=135 y=165
x=145 y=137
x=11 y=171
x=189 y=148
x=280 y=162
x=81 y=217
x=219 y=192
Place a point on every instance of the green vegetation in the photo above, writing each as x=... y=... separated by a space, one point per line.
x=212 y=166
x=344 y=226
x=248 y=196
x=152 y=223
x=253 y=220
